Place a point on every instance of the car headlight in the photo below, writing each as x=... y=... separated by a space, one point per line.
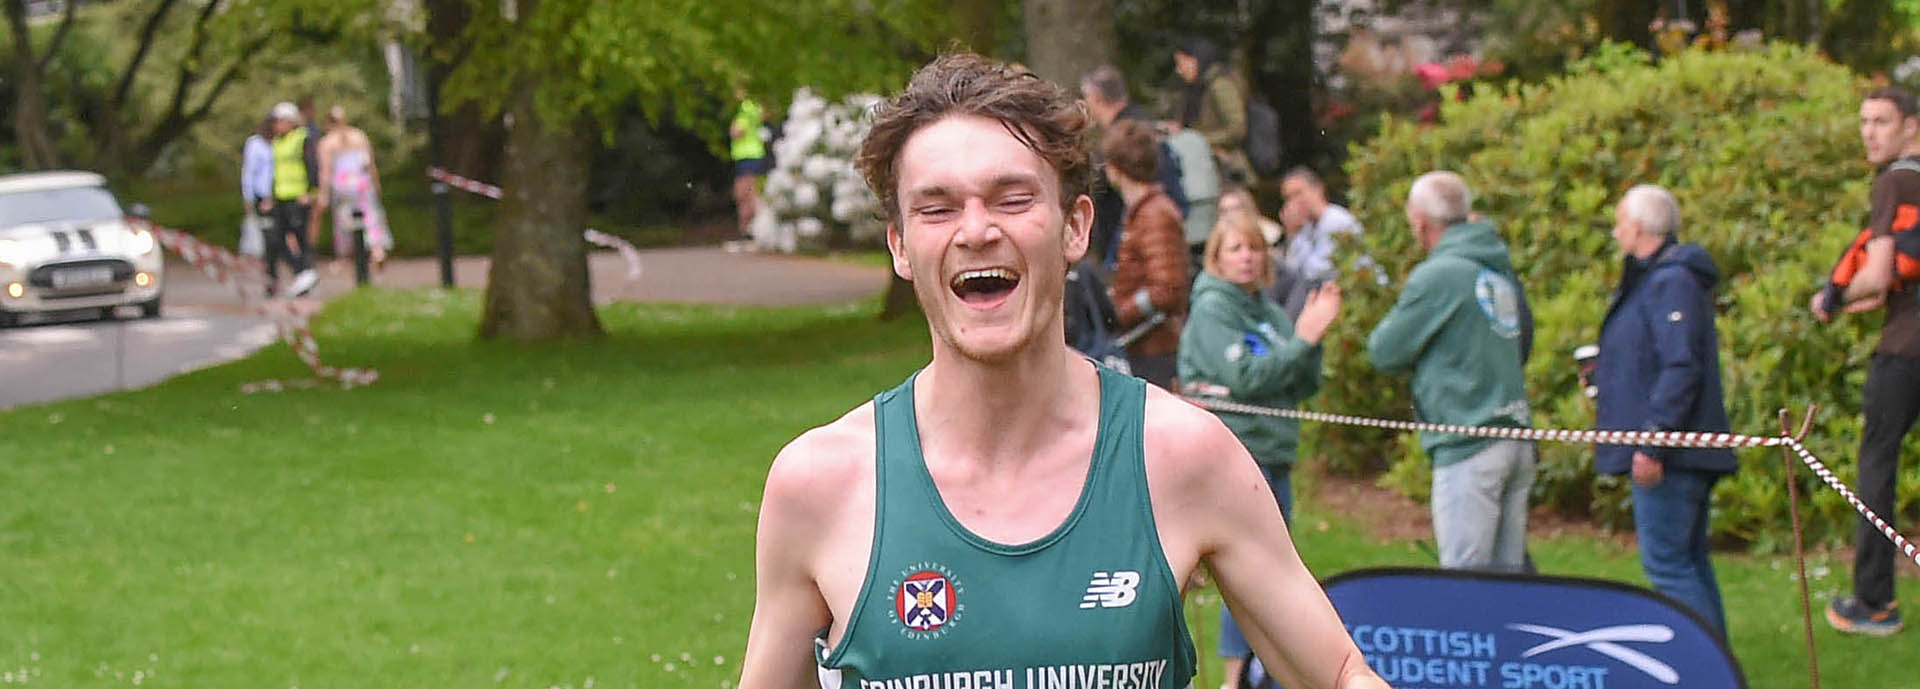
x=141 y=244
x=12 y=251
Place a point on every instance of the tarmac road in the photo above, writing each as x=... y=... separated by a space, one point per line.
x=204 y=323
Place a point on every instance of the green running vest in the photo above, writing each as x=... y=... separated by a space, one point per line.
x=1092 y=605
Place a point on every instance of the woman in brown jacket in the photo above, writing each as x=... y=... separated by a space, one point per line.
x=1150 y=282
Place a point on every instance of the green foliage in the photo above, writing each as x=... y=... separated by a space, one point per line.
x=1761 y=151
x=676 y=56
x=236 y=63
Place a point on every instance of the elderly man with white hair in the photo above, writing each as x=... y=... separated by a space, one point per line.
x=1659 y=370
x=1460 y=328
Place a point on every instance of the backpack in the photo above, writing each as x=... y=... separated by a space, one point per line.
x=1090 y=318
x=1263 y=137
x=1906 y=244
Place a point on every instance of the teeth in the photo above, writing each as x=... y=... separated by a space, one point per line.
x=1001 y=273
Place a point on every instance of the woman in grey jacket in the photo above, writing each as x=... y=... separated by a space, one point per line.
x=1239 y=345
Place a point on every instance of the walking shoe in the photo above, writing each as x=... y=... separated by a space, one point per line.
x=1852 y=616
x=304 y=282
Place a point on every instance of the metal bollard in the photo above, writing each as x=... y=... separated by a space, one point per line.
x=443 y=225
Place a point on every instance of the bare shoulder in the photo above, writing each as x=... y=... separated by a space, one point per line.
x=1199 y=477
x=1185 y=443
x=812 y=474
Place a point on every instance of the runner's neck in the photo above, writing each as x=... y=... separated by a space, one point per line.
x=1003 y=414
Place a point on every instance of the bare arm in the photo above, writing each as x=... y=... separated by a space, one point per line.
x=788 y=610
x=325 y=153
x=1873 y=280
x=1217 y=508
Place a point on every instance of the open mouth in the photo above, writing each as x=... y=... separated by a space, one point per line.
x=984 y=287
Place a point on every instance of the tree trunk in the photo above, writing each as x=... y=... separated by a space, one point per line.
x=539 y=288
x=30 y=98
x=1288 y=49
x=1068 y=38
x=974 y=23
x=1629 y=20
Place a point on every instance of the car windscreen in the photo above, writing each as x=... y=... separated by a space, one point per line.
x=77 y=204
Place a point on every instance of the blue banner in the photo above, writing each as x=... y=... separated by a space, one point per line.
x=1448 y=629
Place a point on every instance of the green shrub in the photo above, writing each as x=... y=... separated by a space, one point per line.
x=1762 y=152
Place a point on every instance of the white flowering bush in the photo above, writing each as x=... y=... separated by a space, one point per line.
x=814 y=196
x=1907 y=73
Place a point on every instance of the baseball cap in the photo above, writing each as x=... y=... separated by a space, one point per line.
x=284 y=110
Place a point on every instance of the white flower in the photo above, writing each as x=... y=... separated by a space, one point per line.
x=763 y=227
x=818 y=169
x=845 y=209
x=789 y=239
x=810 y=227
x=805 y=196
x=1908 y=69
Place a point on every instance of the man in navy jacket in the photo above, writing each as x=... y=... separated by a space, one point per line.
x=1659 y=370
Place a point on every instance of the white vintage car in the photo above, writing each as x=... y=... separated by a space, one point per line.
x=65 y=245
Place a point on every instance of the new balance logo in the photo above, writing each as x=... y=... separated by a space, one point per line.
x=1114 y=590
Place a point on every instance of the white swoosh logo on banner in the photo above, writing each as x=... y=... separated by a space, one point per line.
x=1601 y=641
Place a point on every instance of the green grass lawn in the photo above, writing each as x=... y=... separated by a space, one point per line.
x=500 y=515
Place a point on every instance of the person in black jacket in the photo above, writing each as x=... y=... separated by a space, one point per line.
x=1659 y=370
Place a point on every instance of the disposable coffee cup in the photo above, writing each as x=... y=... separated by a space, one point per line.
x=1586 y=356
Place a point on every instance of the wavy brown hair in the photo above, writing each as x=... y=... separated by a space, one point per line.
x=1037 y=112
x=1132 y=147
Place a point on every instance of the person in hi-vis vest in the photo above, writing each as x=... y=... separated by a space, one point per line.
x=293 y=184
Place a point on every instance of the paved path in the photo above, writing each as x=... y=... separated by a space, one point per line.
x=205 y=323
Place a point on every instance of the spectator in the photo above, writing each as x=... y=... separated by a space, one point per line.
x=1150 y=280
x=1239 y=345
x=1457 y=327
x=1309 y=252
x=350 y=184
x=1889 y=122
x=1200 y=181
x=750 y=165
x=256 y=188
x=1104 y=90
x=1212 y=103
x=293 y=176
x=1240 y=201
x=1659 y=370
x=310 y=121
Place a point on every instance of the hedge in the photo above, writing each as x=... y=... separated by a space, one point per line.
x=1762 y=151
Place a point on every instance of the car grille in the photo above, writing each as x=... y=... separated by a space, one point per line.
x=120 y=273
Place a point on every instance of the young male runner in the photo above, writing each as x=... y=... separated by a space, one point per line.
x=1011 y=515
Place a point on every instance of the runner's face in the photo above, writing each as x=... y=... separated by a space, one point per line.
x=983 y=238
x=1885 y=133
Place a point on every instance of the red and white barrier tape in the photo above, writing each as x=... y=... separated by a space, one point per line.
x=289 y=318
x=1643 y=438
x=625 y=248
x=465 y=184
x=594 y=236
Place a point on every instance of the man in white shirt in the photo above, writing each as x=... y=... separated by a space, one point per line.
x=1308 y=258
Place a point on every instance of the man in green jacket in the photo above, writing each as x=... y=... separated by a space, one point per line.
x=1457 y=328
